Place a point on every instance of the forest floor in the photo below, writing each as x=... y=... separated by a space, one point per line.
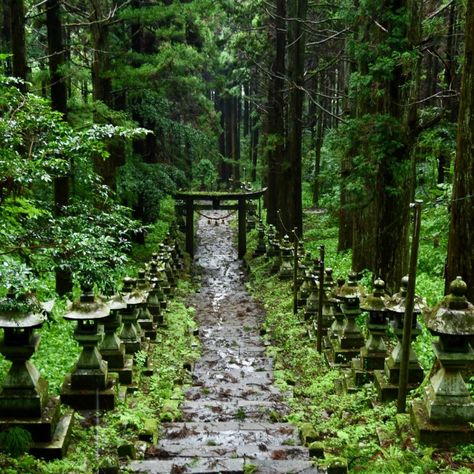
x=231 y=413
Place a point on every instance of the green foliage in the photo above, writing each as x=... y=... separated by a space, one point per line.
x=145 y=185
x=15 y=441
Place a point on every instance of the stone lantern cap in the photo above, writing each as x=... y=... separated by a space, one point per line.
x=376 y=300
x=88 y=306
x=454 y=314
x=397 y=303
x=117 y=302
x=351 y=289
x=131 y=294
x=29 y=317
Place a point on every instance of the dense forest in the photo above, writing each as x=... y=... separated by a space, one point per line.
x=359 y=100
x=347 y=112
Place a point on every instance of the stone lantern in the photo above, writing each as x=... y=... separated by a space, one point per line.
x=305 y=287
x=156 y=276
x=387 y=380
x=328 y=313
x=131 y=332
x=112 y=348
x=165 y=258
x=144 y=318
x=154 y=303
x=337 y=325
x=261 y=248
x=301 y=267
x=24 y=398
x=312 y=302
x=271 y=237
x=348 y=343
x=372 y=355
x=286 y=254
x=251 y=215
x=89 y=386
x=446 y=414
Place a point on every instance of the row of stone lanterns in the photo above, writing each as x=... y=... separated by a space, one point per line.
x=445 y=414
x=106 y=358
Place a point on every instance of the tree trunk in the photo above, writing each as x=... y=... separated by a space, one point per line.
x=6 y=35
x=274 y=140
x=17 y=27
x=461 y=234
x=381 y=229
x=58 y=90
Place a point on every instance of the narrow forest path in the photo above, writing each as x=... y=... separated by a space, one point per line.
x=227 y=415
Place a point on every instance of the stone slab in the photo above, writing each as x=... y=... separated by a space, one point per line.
x=189 y=466
x=57 y=447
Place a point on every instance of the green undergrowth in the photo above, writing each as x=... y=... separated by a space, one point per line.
x=158 y=397
x=351 y=426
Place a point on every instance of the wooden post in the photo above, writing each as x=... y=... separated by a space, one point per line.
x=408 y=318
x=242 y=228
x=319 y=336
x=190 y=226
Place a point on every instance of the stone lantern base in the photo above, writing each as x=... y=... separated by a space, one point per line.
x=50 y=432
x=90 y=399
x=386 y=381
x=438 y=434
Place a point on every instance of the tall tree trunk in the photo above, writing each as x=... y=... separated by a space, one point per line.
x=17 y=27
x=58 y=90
x=274 y=140
x=461 y=233
x=235 y=140
x=382 y=227
x=6 y=34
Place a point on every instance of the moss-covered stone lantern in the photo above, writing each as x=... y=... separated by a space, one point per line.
x=131 y=332
x=337 y=325
x=445 y=415
x=157 y=279
x=271 y=237
x=165 y=257
x=89 y=386
x=348 y=342
x=24 y=398
x=112 y=348
x=286 y=255
x=312 y=302
x=328 y=306
x=387 y=380
x=261 y=248
x=305 y=287
x=144 y=318
x=372 y=355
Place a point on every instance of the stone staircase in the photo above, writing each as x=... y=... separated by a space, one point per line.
x=231 y=413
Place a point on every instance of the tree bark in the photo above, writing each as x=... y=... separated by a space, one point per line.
x=58 y=90
x=461 y=234
x=292 y=212
x=17 y=28
x=381 y=229
x=274 y=140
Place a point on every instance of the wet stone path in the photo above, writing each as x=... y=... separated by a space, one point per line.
x=227 y=415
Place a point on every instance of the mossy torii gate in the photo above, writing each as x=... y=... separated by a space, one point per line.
x=189 y=198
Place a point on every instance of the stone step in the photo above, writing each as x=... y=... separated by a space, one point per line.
x=228 y=434
x=235 y=362
x=238 y=391
x=251 y=451
x=243 y=376
x=200 y=465
x=237 y=410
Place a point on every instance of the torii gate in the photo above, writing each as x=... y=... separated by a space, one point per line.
x=216 y=197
